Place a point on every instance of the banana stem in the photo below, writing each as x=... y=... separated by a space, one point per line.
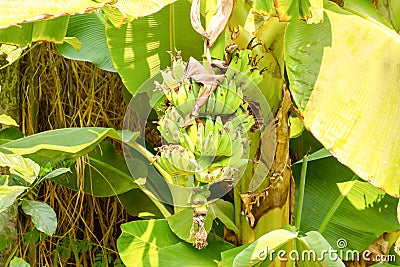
x=150 y=157
x=165 y=212
x=301 y=192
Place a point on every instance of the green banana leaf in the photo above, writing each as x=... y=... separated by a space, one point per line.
x=52 y=30
x=308 y=248
x=138 y=204
x=342 y=207
x=9 y=134
x=285 y=10
x=133 y=9
x=317 y=247
x=184 y=254
x=141 y=239
x=139 y=49
x=72 y=142
x=19 y=11
x=367 y=10
x=263 y=246
x=25 y=21
x=390 y=9
x=90 y=31
x=48 y=20
x=343 y=75
x=182 y=221
x=140 y=245
x=106 y=173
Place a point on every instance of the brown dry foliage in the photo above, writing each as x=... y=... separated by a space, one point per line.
x=57 y=93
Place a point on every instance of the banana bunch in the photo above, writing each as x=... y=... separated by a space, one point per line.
x=243 y=68
x=228 y=174
x=170 y=126
x=211 y=138
x=177 y=160
x=213 y=146
x=182 y=92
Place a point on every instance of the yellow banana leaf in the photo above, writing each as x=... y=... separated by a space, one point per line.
x=353 y=107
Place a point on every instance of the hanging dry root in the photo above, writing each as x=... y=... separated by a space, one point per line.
x=200 y=235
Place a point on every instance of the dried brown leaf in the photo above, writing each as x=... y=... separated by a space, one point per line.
x=217 y=22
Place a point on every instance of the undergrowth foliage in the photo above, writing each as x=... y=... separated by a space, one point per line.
x=57 y=93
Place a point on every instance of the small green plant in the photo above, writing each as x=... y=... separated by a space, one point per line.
x=19 y=179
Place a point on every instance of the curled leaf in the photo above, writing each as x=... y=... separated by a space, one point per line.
x=217 y=22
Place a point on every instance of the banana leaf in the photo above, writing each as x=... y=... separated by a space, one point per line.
x=342 y=207
x=139 y=48
x=344 y=77
x=48 y=20
x=285 y=10
x=140 y=245
x=89 y=30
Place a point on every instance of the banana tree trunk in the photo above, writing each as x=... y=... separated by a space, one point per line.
x=271 y=206
x=10 y=105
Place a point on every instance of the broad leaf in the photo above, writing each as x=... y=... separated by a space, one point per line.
x=224 y=211
x=286 y=10
x=43 y=216
x=313 y=250
x=365 y=9
x=20 y=166
x=144 y=239
x=390 y=9
x=8 y=194
x=340 y=206
x=228 y=256
x=52 y=30
x=139 y=49
x=72 y=142
x=19 y=11
x=320 y=154
x=304 y=47
x=18 y=262
x=10 y=134
x=106 y=173
x=56 y=172
x=90 y=32
x=7 y=120
x=348 y=111
x=184 y=254
x=182 y=221
x=48 y=20
x=137 y=203
x=39 y=20
x=261 y=249
x=133 y=9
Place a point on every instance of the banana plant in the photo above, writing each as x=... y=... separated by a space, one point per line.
x=313 y=52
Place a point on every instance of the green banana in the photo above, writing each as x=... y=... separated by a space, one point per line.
x=177 y=160
x=209 y=148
